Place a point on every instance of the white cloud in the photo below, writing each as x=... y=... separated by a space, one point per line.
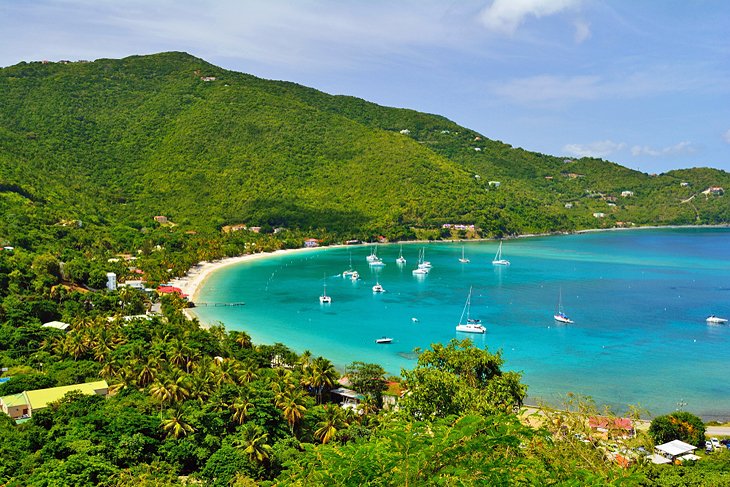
x=679 y=148
x=582 y=31
x=726 y=136
x=549 y=88
x=506 y=16
x=601 y=149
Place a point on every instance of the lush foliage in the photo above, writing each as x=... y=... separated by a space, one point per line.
x=679 y=425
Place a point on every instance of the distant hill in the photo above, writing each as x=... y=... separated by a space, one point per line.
x=116 y=142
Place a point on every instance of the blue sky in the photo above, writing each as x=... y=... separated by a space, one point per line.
x=642 y=83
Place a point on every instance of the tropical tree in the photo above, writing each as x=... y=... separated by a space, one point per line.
x=319 y=375
x=291 y=403
x=176 y=425
x=679 y=425
x=253 y=441
x=335 y=419
x=241 y=409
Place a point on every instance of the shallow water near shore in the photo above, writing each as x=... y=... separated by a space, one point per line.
x=639 y=300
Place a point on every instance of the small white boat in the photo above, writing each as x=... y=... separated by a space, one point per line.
x=716 y=319
x=354 y=276
x=350 y=271
x=498 y=260
x=400 y=260
x=373 y=257
x=324 y=299
x=559 y=315
x=377 y=288
x=377 y=263
x=463 y=259
x=384 y=340
x=471 y=325
x=414 y=319
x=420 y=272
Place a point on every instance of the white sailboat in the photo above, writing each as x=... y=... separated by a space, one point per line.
x=560 y=316
x=422 y=268
x=471 y=325
x=422 y=262
x=400 y=260
x=373 y=257
x=350 y=272
x=324 y=299
x=377 y=288
x=498 y=260
x=463 y=259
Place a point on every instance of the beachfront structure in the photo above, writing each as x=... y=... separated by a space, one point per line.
x=674 y=451
x=612 y=427
x=25 y=403
x=311 y=242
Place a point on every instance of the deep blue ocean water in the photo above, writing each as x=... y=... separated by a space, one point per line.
x=639 y=299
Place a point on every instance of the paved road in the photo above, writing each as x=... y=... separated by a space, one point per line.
x=717 y=431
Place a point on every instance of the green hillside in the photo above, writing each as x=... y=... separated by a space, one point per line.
x=123 y=140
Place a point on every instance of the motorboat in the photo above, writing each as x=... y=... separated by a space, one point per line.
x=384 y=340
x=377 y=288
x=716 y=320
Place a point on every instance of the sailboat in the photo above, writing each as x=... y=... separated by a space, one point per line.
x=463 y=259
x=373 y=258
x=422 y=269
x=498 y=260
x=471 y=325
x=324 y=299
x=400 y=260
x=377 y=288
x=350 y=272
x=560 y=316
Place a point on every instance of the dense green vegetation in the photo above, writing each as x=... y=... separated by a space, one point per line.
x=91 y=152
x=114 y=142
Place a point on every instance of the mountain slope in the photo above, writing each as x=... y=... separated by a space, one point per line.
x=124 y=140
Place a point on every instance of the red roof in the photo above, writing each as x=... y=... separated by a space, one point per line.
x=170 y=290
x=616 y=423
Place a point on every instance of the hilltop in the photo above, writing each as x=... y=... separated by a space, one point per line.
x=117 y=141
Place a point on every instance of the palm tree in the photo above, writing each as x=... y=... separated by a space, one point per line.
x=334 y=419
x=76 y=344
x=321 y=374
x=148 y=371
x=252 y=442
x=176 y=425
x=291 y=403
x=241 y=408
x=248 y=371
x=242 y=339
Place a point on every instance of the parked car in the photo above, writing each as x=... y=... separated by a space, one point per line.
x=708 y=446
x=715 y=443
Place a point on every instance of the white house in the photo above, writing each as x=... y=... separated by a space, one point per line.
x=626 y=194
x=111 y=281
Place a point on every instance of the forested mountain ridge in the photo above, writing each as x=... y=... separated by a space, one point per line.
x=118 y=141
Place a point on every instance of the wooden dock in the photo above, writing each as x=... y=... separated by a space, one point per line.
x=216 y=305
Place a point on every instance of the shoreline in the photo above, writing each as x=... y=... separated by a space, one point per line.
x=194 y=279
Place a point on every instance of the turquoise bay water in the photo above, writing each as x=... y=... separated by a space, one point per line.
x=639 y=300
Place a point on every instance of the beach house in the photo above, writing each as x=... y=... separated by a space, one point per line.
x=25 y=403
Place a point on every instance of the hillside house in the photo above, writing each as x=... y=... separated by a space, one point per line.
x=58 y=325
x=684 y=184
x=598 y=214
x=569 y=205
x=171 y=290
x=111 y=281
x=626 y=194
x=495 y=184
x=478 y=149
x=25 y=403
x=405 y=132
x=612 y=427
x=207 y=78
x=714 y=190
x=161 y=219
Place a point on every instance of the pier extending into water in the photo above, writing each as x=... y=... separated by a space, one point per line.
x=216 y=305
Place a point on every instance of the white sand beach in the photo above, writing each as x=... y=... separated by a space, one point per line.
x=192 y=282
